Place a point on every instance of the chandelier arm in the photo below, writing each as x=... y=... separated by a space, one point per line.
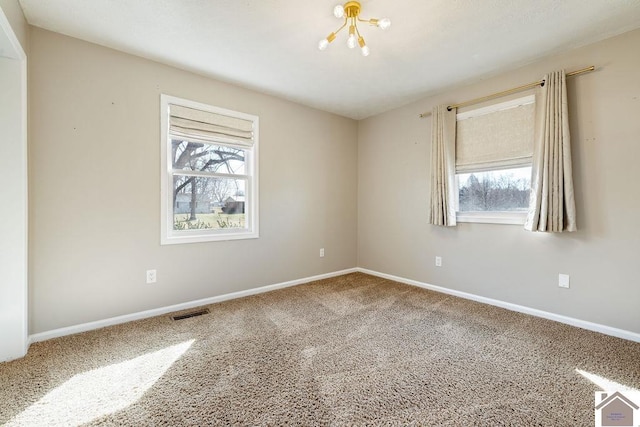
x=372 y=21
x=340 y=29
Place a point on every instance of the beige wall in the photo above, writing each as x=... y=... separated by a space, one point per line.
x=95 y=184
x=504 y=261
x=13 y=12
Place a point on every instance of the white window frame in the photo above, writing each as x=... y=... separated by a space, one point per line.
x=491 y=217
x=170 y=236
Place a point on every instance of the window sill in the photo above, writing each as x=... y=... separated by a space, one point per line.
x=512 y=218
x=206 y=237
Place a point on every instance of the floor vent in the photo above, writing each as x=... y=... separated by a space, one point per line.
x=192 y=314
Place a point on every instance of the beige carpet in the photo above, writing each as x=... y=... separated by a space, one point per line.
x=353 y=350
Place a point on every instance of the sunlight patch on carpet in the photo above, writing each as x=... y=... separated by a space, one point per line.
x=608 y=385
x=93 y=394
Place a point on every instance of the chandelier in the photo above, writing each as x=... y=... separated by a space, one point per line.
x=350 y=11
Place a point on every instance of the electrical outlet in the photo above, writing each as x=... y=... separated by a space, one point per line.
x=321 y=252
x=563 y=280
x=438 y=261
x=151 y=276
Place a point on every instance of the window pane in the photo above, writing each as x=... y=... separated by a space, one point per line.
x=197 y=156
x=501 y=190
x=208 y=203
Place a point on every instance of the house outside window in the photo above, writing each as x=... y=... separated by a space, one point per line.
x=494 y=148
x=209 y=173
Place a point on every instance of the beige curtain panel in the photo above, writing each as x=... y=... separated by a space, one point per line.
x=552 y=204
x=443 y=166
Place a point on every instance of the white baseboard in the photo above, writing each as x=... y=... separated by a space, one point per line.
x=596 y=327
x=55 y=333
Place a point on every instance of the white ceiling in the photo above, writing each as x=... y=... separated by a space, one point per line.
x=271 y=45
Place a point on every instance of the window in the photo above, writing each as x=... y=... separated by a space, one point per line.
x=209 y=173
x=494 y=147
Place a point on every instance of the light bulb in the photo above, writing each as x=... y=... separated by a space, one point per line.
x=325 y=42
x=363 y=47
x=384 y=23
x=338 y=11
x=351 y=41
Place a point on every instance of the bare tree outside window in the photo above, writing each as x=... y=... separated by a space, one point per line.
x=501 y=190
x=200 y=201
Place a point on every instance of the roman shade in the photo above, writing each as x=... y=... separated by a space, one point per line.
x=207 y=126
x=496 y=137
